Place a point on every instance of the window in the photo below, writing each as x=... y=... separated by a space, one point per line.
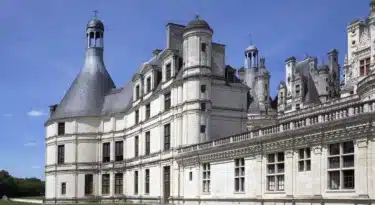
x=135 y=182
x=147 y=143
x=63 y=188
x=304 y=161
x=137 y=92
x=147 y=181
x=203 y=47
x=203 y=106
x=167 y=137
x=341 y=165
x=203 y=88
x=206 y=178
x=136 y=146
x=203 y=128
x=275 y=172
x=119 y=180
x=148 y=84
x=364 y=66
x=106 y=152
x=136 y=116
x=61 y=154
x=89 y=184
x=190 y=176
x=148 y=111
x=105 y=184
x=168 y=73
x=61 y=128
x=167 y=101
x=239 y=175
x=119 y=150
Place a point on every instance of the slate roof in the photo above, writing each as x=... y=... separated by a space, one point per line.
x=85 y=96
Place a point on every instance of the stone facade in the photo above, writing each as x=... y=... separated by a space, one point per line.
x=187 y=130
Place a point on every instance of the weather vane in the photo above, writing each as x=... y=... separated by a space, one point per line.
x=95 y=13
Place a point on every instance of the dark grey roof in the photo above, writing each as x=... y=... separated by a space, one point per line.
x=118 y=100
x=197 y=24
x=303 y=67
x=85 y=96
x=95 y=23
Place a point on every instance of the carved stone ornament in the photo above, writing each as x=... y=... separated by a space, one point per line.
x=362 y=143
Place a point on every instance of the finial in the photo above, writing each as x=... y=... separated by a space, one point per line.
x=96 y=14
x=196 y=16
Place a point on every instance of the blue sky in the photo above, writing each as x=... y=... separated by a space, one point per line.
x=42 y=49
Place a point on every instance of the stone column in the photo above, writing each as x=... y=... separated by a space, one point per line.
x=316 y=160
x=361 y=167
x=288 y=170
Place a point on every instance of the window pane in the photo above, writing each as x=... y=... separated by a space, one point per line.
x=301 y=153
x=301 y=165
x=334 y=149
x=334 y=162
x=334 y=180
x=280 y=156
x=348 y=179
x=280 y=168
x=348 y=161
x=348 y=147
x=236 y=184
x=308 y=165
x=271 y=183
x=308 y=152
x=271 y=158
x=280 y=182
x=271 y=168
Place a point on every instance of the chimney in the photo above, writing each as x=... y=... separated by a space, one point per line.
x=52 y=109
x=156 y=52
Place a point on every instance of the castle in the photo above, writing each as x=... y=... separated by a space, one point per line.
x=189 y=129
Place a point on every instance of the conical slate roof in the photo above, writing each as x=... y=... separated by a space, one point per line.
x=86 y=95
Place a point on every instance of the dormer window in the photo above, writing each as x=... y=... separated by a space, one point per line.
x=168 y=72
x=137 y=92
x=148 y=84
x=203 y=47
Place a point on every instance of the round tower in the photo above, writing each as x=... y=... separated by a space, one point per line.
x=197 y=49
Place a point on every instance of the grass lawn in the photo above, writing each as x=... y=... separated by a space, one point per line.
x=2 y=202
x=32 y=197
x=23 y=203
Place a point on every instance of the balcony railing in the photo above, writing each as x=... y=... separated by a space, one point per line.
x=324 y=116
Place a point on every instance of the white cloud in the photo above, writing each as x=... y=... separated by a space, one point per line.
x=35 y=167
x=29 y=144
x=8 y=115
x=36 y=113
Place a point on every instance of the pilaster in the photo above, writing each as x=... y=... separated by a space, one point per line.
x=316 y=169
x=289 y=176
x=361 y=167
x=259 y=183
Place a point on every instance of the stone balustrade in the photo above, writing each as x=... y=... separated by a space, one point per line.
x=325 y=113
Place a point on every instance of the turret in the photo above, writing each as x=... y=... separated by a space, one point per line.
x=251 y=65
x=197 y=55
x=86 y=95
